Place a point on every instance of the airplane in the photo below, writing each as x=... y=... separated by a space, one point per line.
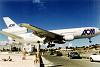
x=60 y=36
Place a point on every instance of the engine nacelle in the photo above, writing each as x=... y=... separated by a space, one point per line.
x=68 y=37
x=15 y=40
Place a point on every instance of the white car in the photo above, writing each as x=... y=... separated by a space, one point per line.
x=94 y=57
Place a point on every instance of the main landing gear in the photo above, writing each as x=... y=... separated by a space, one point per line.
x=50 y=45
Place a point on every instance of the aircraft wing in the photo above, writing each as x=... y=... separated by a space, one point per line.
x=13 y=36
x=43 y=33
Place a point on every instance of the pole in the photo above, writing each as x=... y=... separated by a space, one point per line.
x=39 y=55
x=38 y=51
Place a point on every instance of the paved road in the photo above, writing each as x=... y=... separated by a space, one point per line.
x=66 y=62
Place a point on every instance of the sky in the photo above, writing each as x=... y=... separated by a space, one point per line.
x=53 y=14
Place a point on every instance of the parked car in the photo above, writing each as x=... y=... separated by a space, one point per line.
x=94 y=57
x=74 y=55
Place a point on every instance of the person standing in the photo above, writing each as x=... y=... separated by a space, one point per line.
x=24 y=52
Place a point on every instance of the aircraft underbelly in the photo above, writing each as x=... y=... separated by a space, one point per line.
x=86 y=36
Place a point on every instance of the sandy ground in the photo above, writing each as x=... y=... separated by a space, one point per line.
x=17 y=61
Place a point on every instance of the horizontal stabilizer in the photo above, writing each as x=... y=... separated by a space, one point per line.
x=13 y=36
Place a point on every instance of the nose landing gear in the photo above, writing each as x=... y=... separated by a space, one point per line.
x=90 y=40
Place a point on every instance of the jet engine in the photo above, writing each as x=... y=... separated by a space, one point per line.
x=15 y=40
x=68 y=37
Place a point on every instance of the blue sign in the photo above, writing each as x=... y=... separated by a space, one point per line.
x=88 y=32
x=11 y=25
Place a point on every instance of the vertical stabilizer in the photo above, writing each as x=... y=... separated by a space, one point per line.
x=10 y=23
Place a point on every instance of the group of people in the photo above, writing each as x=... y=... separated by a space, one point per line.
x=9 y=59
x=36 y=56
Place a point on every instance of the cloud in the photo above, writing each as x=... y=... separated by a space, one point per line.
x=40 y=4
x=36 y=1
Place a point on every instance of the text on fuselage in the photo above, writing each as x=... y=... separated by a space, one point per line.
x=88 y=32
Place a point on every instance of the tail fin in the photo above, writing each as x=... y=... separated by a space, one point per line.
x=10 y=23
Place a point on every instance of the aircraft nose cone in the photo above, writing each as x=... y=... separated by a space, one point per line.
x=99 y=31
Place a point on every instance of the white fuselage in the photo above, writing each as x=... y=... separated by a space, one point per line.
x=84 y=32
x=69 y=34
